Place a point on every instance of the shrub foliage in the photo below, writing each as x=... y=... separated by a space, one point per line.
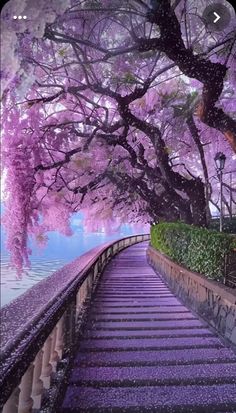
x=198 y=249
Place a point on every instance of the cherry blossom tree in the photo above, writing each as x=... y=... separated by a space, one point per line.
x=117 y=109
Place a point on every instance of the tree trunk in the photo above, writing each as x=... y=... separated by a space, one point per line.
x=186 y=215
x=198 y=204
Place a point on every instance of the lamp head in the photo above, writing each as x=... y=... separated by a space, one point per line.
x=220 y=159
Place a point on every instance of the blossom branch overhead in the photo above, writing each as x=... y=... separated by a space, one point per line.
x=105 y=112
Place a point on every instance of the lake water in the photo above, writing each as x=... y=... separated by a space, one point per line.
x=59 y=251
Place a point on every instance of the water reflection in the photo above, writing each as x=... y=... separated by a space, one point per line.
x=12 y=286
x=60 y=250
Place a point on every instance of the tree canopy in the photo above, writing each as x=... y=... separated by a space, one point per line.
x=117 y=109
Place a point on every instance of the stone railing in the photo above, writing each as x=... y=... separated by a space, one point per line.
x=39 y=327
x=215 y=302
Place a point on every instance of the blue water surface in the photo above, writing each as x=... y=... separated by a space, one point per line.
x=59 y=251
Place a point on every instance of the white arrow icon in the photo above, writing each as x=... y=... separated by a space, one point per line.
x=217 y=17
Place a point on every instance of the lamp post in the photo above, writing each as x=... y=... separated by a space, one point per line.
x=220 y=159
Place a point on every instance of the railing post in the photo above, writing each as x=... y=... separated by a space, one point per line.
x=60 y=337
x=84 y=291
x=78 y=303
x=70 y=316
x=103 y=258
x=96 y=271
x=25 y=400
x=105 y=254
x=11 y=406
x=89 y=282
x=93 y=277
x=54 y=355
x=37 y=387
x=46 y=366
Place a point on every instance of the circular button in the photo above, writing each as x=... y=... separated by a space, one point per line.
x=216 y=17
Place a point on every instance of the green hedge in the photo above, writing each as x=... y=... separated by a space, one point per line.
x=198 y=249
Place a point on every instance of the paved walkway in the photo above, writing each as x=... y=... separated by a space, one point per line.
x=143 y=351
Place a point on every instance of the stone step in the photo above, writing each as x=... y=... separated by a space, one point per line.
x=127 y=288
x=144 y=281
x=132 y=290
x=155 y=358
x=126 y=325
x=184 y=332
x=174 y=399
x=124 y=288
x=118 y=344
x=135 y=287
x=127 y=301
x=135 y=306
x=147 y=310
x=130 y=274
x=153 y=296
x=154 y=375
x=118 y=275
x=144 y=317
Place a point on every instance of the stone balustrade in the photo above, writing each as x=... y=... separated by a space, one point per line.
x=213 y=301
x=39 y=327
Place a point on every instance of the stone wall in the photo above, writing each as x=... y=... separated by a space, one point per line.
x=213 y=301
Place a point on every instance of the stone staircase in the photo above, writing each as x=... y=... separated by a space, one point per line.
x=143 y=351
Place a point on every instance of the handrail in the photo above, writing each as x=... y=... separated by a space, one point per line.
x=31 y=352
x=225 y=216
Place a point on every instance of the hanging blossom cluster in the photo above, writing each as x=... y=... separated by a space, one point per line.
x=38 y=14
x=19 y=214
x=25 y=214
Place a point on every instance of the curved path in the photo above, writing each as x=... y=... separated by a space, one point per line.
x=143 y=351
